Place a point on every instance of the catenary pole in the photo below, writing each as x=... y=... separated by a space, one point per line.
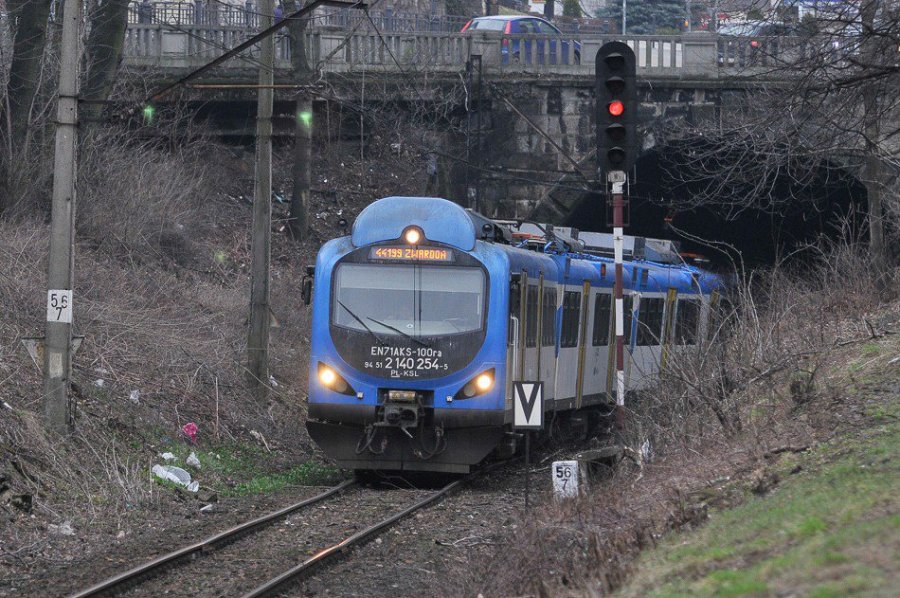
x=261 y=239
x=58 y=409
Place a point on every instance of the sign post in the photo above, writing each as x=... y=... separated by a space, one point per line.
x=528 y=415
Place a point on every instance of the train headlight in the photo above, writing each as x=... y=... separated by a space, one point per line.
x=484 y=382
x=478 y=385
x=412 y=236
x=331 y=379
x=327 y=376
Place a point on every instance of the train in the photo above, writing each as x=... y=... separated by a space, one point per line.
x=426 y=313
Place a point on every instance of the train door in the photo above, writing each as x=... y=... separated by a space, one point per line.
x=513 y=335
x=584 y=308
x=598 y=343
x=531 y=325
x=567 y=358
x=647 y=339
x=547 y=355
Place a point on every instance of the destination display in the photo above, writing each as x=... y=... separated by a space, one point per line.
x=411 y=254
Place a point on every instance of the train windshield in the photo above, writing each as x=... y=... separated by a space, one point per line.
x=408 y=300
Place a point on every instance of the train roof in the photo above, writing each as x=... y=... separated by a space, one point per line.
x=444 y=221
x=441 y=220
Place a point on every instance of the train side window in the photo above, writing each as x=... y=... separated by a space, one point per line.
x=548 y=330
x=602 y=309
x=650 y=318
x=686 y=322
x=627 y=317
x=531 y=305
x=571 y=314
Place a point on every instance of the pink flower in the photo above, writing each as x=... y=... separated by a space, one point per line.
x=190 y=430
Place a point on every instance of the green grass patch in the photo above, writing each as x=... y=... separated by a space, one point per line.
x=829 y=530
x=307 y=474
x=871 y=350
x=242 y=469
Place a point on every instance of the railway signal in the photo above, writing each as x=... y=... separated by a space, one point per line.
x=617 y=148
x=617 y=105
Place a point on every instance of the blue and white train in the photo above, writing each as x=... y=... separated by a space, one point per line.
x=426 y=313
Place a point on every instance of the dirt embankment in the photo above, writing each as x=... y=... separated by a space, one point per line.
x=161 y=296
x=793 y=497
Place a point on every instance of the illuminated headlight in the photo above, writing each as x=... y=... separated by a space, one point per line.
x=412 y=236
x=329 y=378
x=478 y=385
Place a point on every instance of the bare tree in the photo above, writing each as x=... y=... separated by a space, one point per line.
x=28 y=93
x=30 y=18
x=104 y=53
x=825 y=97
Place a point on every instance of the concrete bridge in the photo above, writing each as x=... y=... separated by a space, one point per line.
x=171 y=48
x=537 y=118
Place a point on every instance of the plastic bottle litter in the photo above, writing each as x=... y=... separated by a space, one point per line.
x=176 y=475
x=65 y=529
x=193 y=461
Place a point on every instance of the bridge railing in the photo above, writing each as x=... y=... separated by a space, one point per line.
x=246 y=14
x=193 y=13
x=388 y=20
x=694 y=55
x=191 y=46
x=396 y=51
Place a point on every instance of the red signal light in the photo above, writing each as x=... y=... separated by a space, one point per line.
x=616 y=108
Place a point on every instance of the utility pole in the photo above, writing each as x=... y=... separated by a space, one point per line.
x=624 y=10
x=299 y=221
x=58 y=340
x=302 y=170
x=258 y=335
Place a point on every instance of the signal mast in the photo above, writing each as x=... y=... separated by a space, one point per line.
x=615 y=89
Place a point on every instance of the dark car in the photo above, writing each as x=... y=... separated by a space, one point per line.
x=549 y=51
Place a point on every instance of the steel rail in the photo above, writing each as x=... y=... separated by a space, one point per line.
x=272 y=586
x=206 y=544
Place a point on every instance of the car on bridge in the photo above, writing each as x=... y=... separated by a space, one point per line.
x=542 y=50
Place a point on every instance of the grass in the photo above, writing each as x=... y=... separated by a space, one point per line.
x=831 y=529
x=242 y=469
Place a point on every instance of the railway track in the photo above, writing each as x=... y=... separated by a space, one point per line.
x=150 y=573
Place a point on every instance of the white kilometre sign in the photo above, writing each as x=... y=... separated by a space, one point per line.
x=59 y=305
x=565 y=479
x=528 y=405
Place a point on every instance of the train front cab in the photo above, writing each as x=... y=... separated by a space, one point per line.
x=409 y=346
